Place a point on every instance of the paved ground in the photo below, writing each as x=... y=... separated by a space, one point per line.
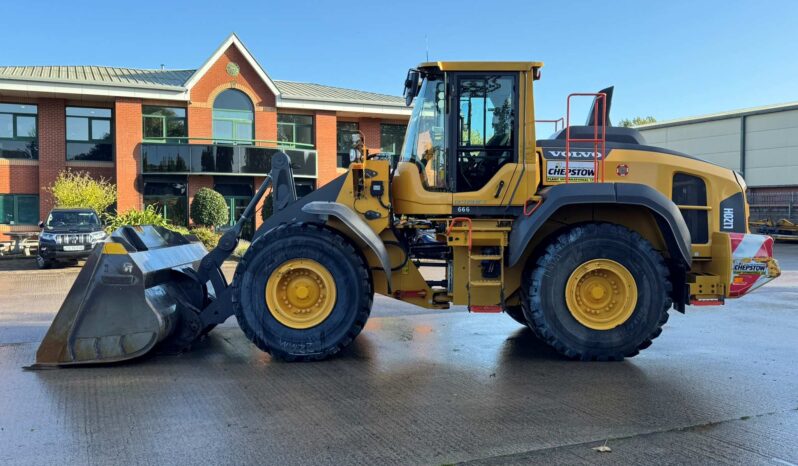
x=719 y=386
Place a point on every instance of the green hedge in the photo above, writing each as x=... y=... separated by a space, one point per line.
x=209 y=209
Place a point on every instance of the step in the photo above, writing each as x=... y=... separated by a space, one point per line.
x=486 y=283
x=485 y=309
x=486 y=257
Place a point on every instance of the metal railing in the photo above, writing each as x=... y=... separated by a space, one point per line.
x=238 y=142
x=773 y=205
x=250 y=157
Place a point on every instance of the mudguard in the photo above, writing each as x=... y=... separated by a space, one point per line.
x=357 y=226
x=668 y=217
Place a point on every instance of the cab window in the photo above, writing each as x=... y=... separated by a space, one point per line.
x=486 y=128
x=426 y=145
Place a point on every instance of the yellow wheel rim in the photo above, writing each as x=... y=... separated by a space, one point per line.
x=300 y=293
x=601 y=294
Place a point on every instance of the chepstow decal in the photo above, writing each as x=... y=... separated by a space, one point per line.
x=577 y=171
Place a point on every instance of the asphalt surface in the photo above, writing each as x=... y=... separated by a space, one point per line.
x=720 y=385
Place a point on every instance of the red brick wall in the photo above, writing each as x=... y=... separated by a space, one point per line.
x=52 y=148
x=18 y=177
x=266 y=125
x=200 y=121
x=128 y=133
x=326 y=146
x=256 y=182
x=370 y=127
x=247 y=79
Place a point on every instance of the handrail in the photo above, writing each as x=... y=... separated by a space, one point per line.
x=295 y=145
x=597 y=140
x=557 y=123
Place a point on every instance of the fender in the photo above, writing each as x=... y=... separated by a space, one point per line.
x=668 y=217
x=357 y=227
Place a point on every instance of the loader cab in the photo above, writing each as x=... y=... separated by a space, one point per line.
x=466 y=139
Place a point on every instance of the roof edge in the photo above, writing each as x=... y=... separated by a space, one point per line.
x=744 y=112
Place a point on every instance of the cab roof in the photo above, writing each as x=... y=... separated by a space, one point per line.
x=483 y=65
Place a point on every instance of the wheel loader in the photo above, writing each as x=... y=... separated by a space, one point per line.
x=588 y=237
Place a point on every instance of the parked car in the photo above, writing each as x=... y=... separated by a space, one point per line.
x=68 y=235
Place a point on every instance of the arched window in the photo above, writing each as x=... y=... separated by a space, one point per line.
x=233 y=116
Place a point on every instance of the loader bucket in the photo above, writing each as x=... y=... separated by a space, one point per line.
x=128 y=298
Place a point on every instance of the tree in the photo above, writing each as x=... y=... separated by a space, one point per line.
x=637 y=121
x=79 y=189
x=209 y=208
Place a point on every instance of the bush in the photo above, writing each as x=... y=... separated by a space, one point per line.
x=208 y=237
x=148 y=216
x=241 y=249
x=209 y=209
x=79 y=189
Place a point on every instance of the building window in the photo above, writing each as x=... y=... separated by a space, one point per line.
x=89 y=134
x=391 y=139
x=19 y=209
x=164 y=124
x=233 y=118
x=690 y=195
x=295 y=130
x=346 y=131
x=304 y=187
x=168 y=195
x=18 y=131
x=237 y=192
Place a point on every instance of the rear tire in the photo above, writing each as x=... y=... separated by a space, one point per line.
x=571 y=331
x=336 y=260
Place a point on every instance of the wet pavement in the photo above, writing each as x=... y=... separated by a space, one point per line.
x=720 y=385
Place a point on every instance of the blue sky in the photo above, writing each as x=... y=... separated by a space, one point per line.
x=667 y=59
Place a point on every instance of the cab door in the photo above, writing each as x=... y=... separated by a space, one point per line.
x=484 y=141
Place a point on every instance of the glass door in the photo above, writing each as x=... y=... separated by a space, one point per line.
x=236 y=206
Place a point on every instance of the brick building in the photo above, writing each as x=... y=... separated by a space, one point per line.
x=160 y=135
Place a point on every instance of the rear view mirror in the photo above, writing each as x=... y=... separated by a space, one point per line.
x=412 y=84
x=41 y=224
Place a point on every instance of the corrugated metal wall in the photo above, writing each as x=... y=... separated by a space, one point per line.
x=771 y=145
x=714 y=141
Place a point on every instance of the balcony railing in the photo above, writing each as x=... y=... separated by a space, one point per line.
x=208 y=156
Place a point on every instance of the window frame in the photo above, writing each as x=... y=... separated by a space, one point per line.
x=15 y=199
x=90 y=140
x=165 y=119
x=343 y=156
x=454 y=136
x=293 y=144
x=705 y=208
x=234 y=139
x=14 y=125
x=382 y=134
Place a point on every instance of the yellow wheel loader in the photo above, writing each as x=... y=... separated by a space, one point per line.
x=588 y=237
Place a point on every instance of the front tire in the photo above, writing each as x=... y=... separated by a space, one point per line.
x=598 y=292
x=43 y=263
x=302 y=292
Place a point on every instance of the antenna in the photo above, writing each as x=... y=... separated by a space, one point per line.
x=426 y=42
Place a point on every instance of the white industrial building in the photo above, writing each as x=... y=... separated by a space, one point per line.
x=761 y=143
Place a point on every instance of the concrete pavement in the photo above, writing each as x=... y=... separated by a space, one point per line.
x=719 y=386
